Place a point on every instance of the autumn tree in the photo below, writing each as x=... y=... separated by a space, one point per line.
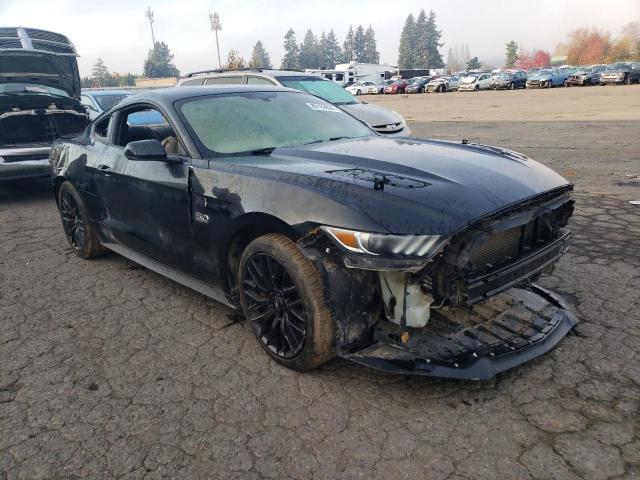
x=234 y=61
x=511 y=54
x=259 y=57
x=537 y=58
x=587 y=46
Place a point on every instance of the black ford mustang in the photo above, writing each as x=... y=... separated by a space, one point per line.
x=406 y=255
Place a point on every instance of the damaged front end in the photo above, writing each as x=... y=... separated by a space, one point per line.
x=463 y=307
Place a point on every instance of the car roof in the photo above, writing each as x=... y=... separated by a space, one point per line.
x=98 y=93
x=250 y=71
x=167 y=96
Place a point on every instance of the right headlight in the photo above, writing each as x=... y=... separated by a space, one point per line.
x=389 y=246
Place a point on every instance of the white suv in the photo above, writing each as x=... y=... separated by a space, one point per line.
x=381 y=120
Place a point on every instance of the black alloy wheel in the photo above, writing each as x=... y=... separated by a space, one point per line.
x=274 y=306
x=72 y=222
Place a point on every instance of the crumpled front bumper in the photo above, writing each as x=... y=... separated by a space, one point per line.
x=532 y=323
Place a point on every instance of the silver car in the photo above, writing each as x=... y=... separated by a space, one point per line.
x=379 y=119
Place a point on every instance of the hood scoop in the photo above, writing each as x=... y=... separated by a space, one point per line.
x=378 y=180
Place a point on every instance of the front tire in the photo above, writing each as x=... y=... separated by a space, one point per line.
x=80 y=232
x=512 y=86
x=281 y=294
x=358 y=92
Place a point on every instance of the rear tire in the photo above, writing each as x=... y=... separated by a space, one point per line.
x=282 y=296
x=80 y=232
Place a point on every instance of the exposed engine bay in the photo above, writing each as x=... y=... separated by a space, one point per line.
x=40 y=125
x=473 y=309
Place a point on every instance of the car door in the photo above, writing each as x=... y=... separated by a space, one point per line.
x=149 y=206
x=100 y=165
x=485 y=81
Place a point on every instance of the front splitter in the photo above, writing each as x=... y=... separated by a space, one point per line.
x=477 y=352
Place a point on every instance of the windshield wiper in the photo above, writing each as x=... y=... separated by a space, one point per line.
x=263 y=151
x=333 y=139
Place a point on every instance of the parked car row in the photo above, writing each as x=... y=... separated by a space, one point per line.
x=510 y=79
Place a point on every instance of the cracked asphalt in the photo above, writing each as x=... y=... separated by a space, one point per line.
x=108 y=370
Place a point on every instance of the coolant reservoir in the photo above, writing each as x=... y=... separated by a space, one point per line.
x=418 y=303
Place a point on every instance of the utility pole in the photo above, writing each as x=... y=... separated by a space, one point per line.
x=149 y=15
x=214 y=18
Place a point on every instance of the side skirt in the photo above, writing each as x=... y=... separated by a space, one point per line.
x=171 y=273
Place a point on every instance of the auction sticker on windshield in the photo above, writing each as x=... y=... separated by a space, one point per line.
x=322 y=107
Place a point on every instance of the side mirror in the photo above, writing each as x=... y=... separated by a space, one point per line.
x=145 y=150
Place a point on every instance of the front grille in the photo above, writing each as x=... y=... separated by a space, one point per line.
x=389 y=128
x=47 y=36
x=8 y=32
x=499 y=248
x=9 y=43
x=50 y=47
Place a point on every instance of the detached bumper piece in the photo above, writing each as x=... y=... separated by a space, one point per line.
x=514 y=327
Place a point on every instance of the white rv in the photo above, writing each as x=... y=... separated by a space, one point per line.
x=347 y=73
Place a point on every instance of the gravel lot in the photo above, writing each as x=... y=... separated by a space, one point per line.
x=108 y=370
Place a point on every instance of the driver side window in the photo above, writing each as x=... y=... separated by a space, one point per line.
x=101 y=129
x=144 y=123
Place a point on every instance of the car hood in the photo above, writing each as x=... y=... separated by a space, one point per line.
x=468 y=80
x=539 y=76
x=409 y=186
x=59 y=71
x=372 y=115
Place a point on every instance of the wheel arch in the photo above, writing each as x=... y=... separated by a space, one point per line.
x=57 y=183
x=250 y=226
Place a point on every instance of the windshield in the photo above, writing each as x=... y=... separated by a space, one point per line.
x=324 y=89
x=504 y=75
x=243 y=122
x=30 y=89
x=108 y=100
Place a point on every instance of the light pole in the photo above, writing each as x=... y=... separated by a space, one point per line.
x=149 y=15
x=214 y=18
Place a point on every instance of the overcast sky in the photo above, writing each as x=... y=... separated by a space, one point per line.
x=117 y=30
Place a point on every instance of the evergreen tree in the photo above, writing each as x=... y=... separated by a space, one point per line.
x=433 y=58
x=511 y=54
x=349 y=46
x=259 y=57
x=406 y=51
x=420 y=53
x=330 y=51
x=474 y=64
x=309 y=51
x=291 y=59
x=359 y=45
x=159 y=62
x=100 y=72
x=371 y=53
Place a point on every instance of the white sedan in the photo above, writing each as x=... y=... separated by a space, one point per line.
x=481 y=81
x=363 y=88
